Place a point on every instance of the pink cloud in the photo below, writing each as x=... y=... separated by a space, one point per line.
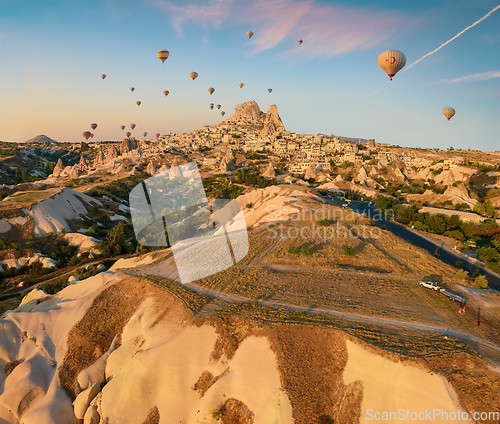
x=327 y=30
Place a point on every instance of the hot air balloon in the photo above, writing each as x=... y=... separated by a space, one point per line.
x=103 y=76
x=165 y=92
x=300 y=41
x=449 y=112
x=132 y=88
x=138 y=102
x=218 y=106
x=193 y=75
x=128 y=134
x=163 y=55
x=91 y=135
x=93 y=126
x=145 y=133
x=241 y=85
x=211 y=90
x=86 y=135
x=157 y=135
x=223 y=113
x=249 y=34
x=269 y=90
x=132 y=126
x=211 y=105
x=392 y=61
x=122 y=127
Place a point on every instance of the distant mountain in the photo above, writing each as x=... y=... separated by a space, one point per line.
x=355 y=140
x=41 y=139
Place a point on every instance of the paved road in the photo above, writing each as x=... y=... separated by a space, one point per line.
x=446 y=255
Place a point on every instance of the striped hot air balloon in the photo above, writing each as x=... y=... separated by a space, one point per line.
x=211 y=90
x=86 y=135
x=165 y=92
x=269 y=90
x=211 y=105
x=218 y=106
x=392 y=61
x=449 y=112
x=163 y=55
x=132 y=88
x=300 y=41
x=193 y=75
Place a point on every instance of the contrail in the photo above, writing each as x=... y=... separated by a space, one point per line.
x=456 y=36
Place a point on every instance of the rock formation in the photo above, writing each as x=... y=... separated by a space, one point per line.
x=269 y=172
x=249 y=115
x=310 y=172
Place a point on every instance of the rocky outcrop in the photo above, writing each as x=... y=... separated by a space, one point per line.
x=151 y=168
x=58 y=168
x=310 y=172
x=272 y=121
x=128 y=145
x=269 y=172
x=249 y=115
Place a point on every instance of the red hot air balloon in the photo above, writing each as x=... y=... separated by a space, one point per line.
x=86 y=135
x=269 y=90
x=165 y=92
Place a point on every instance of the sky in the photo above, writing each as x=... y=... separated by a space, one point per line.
x=53 y=51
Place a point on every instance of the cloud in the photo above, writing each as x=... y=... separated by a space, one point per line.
x=484 y=76
x=327 y=30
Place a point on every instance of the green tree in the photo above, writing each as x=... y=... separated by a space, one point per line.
x=480 y=282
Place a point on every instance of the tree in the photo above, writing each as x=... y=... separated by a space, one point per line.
x=480 y=282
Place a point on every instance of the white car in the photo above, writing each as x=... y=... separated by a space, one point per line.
x=430 y=285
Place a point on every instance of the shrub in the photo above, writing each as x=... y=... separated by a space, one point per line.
x=323 y=222
x=305 y=250
x=480 y=282
x=348 y=250
x=248 y=205
x=461 y=275
x=91 y=232
x=291 y=249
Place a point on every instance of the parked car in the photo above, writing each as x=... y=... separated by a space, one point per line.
x=430 y=285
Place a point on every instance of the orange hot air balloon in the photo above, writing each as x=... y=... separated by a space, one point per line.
x=392 y=61
x=193 y=75
x=241 y=85
x=93 y=126
x=218 y=106
x=449 y=112
x=249 y=34
x=165 y=92
x=87 y=135
x=103 y=76
x=163 y=55
x=269 y=90
x=211 y=90
x=128 y=134
x=300 y=41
